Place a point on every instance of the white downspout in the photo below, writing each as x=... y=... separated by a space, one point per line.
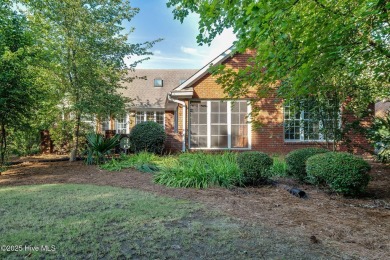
x=183 y=149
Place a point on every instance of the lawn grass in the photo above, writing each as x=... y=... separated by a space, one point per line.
x=86 y=221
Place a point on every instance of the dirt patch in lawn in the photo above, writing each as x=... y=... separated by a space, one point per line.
x=358 y=227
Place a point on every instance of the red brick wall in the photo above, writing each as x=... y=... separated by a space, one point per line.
x=269 y=137
x=354 y=140
x=174 y=140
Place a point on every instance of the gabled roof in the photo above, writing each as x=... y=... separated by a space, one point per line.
x=187 y=85
x=143 y=91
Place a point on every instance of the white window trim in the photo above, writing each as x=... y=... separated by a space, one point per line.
x=229 y=107
x=157 y=86
x=126 y=119
x=154 y=115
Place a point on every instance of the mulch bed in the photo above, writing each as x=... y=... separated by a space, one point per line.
x=359 y=226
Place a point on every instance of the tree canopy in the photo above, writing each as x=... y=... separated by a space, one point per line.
x=88 y=43
x=62 y=55
x=329 y=49
x=19 y=91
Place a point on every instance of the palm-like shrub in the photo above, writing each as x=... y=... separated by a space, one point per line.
x=98 y=147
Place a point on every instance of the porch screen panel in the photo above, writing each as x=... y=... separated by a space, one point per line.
x=198 y=124
x=239 y=134
x=218 y=124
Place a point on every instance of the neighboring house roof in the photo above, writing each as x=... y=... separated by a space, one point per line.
x=143 y=92
x=187 y=85
x=381 y=108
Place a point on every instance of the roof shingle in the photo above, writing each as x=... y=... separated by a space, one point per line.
x=142 y=89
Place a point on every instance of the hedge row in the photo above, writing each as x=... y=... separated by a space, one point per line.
x=341 y=172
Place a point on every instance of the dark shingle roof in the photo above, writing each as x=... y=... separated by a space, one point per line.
x=142 y=89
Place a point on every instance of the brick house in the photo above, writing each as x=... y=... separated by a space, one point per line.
x=196 y=115
x=148 y=91
x=213 y=122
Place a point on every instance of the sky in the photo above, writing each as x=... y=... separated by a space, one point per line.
x=178 y=49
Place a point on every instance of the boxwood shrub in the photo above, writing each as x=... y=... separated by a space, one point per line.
x=147 y=136
x=342 y=172
x=296 y=161
x=255 y=166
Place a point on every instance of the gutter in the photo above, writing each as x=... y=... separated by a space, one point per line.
x=183 y=149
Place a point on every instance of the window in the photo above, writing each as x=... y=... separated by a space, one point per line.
x=158 y=83
x=301 y=124
x=198 y=127
x=239 y=126
x=219 y=124
x=140 y=117
x=88 y=120
x=176 y=121
x=121 y=124
x=155 y=116
x=160 y=118
x=106 y=124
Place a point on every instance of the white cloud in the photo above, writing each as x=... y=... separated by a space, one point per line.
x=220 y=44
x=187 y=57
x=191 y=51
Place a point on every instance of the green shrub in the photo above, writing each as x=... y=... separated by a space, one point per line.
x=379 y=134
x=255 y=166
x=296 y=161
x=200 y=170
x=342 y=172
x=148 y=136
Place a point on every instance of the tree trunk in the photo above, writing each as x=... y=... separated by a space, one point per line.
x=74 y=152
x=3 y=144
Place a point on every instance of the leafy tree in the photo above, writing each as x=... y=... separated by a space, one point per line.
x=88 y=44
x=328 y=50
x=19 y=93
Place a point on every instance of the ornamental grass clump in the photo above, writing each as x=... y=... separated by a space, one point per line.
x=201 y=170
x=255 y=167
x=341 y=172
x=296 y=161
x=143 y=161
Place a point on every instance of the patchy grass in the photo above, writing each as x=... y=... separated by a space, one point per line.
x=86 y=221
x=201 y=170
